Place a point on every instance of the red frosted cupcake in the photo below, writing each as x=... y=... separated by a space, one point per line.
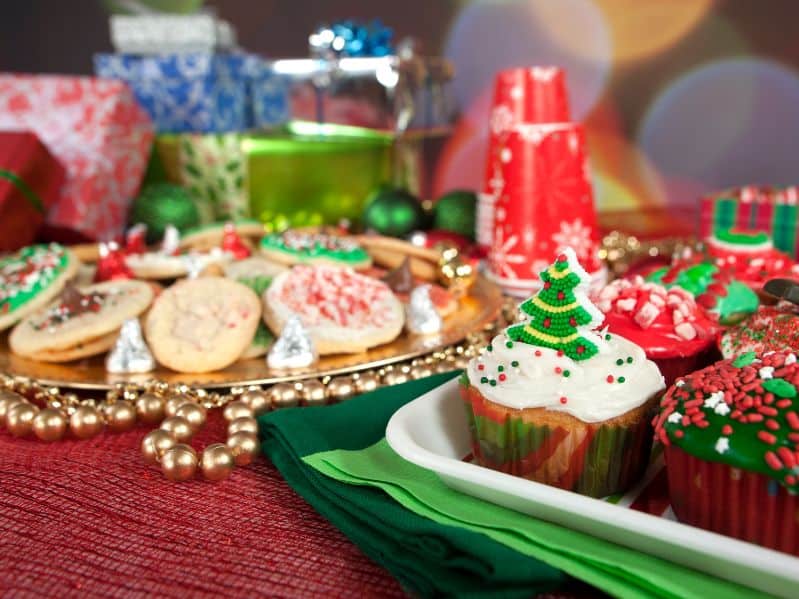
x=674 y=331
x=731 y=436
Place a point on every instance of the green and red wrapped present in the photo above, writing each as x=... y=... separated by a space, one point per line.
x=774 y=210
x=30 y=183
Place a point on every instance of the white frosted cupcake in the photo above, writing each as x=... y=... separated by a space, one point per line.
x=555 y=401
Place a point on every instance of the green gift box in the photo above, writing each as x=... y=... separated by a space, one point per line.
x=315 y=172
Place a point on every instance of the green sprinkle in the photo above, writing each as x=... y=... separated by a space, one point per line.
x=780 y=387
x=484 y=380
x=500 y=368
x=607 y=337
x=744 y=359
x=509 y=344
x=619 y=362
x=621 y=379
x=489 y=348
x=493 y=383
x=566 y=373
x=515 y=363
x=629 y=359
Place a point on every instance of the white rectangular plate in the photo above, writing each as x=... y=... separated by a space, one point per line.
x=432 y=432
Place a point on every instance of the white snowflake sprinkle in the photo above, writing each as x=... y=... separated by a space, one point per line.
x=790 y=359
x=722 y=445
x=674 y=417
x=714 y=399
x=767 y=372
x=722 y=409
x=679 y=383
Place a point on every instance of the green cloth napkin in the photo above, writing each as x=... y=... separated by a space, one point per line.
x=614 y=569
x=427 y=557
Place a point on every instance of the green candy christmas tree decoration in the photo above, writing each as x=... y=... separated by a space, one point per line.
x=561 y=315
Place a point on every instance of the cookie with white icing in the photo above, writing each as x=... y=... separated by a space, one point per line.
x=78 y=316
x=343 y=311
x=31 y=278
x=200 y=325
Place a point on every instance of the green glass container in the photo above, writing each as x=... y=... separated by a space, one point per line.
x=309 y=173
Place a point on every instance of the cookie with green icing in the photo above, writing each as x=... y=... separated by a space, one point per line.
x=303 y=247
x=31 y=278
x=727 y=299
x=731 y=432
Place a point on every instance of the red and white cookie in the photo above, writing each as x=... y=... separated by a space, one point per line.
x=343 y=311
x=200 y=325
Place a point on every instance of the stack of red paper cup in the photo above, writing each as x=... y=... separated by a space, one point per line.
x=537 y=198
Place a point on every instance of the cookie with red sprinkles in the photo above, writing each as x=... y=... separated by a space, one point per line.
x=731 y=433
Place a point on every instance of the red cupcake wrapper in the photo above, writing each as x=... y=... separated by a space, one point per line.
x=674 y=368
x=733 y=502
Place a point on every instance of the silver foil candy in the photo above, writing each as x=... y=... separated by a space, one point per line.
x=422 y=318
x=130 y=353
x=294 y=348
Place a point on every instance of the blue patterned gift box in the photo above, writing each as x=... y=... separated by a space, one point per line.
x=201 y=93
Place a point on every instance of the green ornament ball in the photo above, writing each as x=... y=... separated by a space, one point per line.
x=393 y=212
x=162 y=204
x=456 y=211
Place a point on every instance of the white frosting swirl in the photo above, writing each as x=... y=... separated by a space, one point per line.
x=540 y=381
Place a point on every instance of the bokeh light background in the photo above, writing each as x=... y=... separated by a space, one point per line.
x=679 y=97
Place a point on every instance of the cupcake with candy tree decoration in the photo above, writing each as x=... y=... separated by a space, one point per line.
x=674 y=331
x=731 y=437
x=554 y=400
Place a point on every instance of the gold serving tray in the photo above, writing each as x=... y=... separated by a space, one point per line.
x=476 y=310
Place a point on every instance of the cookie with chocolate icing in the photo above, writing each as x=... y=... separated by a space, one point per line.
x=79 y=316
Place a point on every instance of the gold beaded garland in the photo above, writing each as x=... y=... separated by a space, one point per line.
x=244 y=447
x=340 y=388
x=8 y=399
x=313 y=393
x=243 y=425
x=217 y=462
x=284 y=395
x=367 y=381
x=150 y=408
x=172 y=403
x=155 y=443
x=50 y=425
x=179 y=463
x=19 y=419
x=193 y=413
x=120 y=416
x=86 y=422
x=236 y=409
x=257 y=400
x=180 y=428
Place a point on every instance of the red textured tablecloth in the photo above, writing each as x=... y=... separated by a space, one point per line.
x=89 y=518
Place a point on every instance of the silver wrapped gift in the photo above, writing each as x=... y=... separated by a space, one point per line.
x=171 y=34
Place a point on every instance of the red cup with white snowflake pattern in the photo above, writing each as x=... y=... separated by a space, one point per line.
x=521 y=95
x=546 y=204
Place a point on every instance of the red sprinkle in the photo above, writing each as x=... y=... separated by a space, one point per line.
x=610 y=378
x=538 y=353
x=790 y=479
x=786 y=455
x=481 y=367
x=726 y=429
x=766 y=437
x=679 y=434
x=558 y=369
x=793 y=420
x=773 y=461
x=793 y=437
x=502 y=377
x=560 y=353
x=772 y=424
x=563 y=400
x=768 y=411
x=755 y=418
x=783 y=403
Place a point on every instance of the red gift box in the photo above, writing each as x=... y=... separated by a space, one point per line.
x=546 y=204
x=98 y=132
x=30 y=183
